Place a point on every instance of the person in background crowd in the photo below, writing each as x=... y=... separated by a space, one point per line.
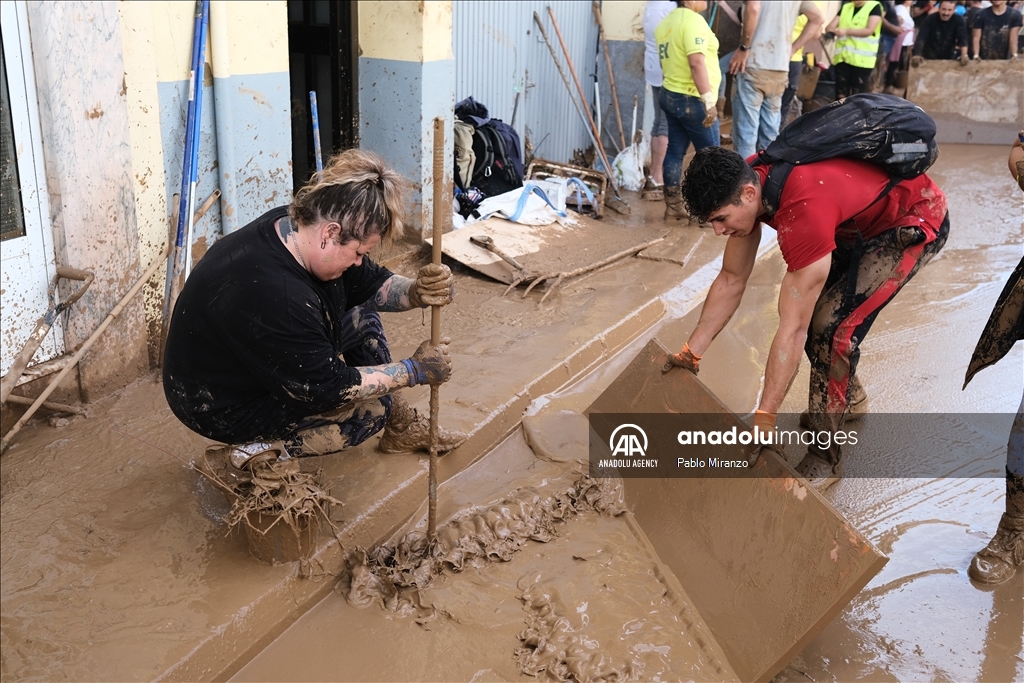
x=727 y=24
x=997 y=562
x=891 y=28
x=857 y=28
x=796 y=64
x=689 y=94
x=921 y=9
x=761 y=68
x=654 y=12
x=995 y=31
x=973 y=8
x=942 y=35
x=899 y=56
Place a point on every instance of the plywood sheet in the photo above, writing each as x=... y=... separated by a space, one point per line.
x=765 y=559
x=544 y=249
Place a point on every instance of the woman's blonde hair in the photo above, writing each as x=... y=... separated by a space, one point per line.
x=359 y=192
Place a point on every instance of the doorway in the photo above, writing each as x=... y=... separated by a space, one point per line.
x=323 y=57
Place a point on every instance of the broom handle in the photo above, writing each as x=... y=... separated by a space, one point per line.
x=435 y=324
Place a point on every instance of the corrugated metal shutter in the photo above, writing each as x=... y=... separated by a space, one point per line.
x=499 y=52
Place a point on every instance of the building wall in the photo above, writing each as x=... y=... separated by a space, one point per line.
x=112 y=83
x=80 y=81
x=502 y=62
x=406 y=77
x=245 y=138
x=981 y=103
x=624 y=33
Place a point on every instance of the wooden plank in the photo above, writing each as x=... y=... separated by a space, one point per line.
x=546 y=249
x=765 y=559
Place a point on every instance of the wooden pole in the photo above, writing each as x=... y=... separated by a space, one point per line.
x=565 y=79
x=583 y=103
x=438 y=211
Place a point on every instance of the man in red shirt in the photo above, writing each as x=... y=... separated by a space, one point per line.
x=848 y=251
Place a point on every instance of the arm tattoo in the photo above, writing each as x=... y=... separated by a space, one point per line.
x=392 y=296
x=377 y=380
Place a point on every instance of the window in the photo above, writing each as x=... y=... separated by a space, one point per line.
x=12 y=217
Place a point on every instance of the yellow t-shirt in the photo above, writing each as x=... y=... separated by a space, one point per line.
x=801 y=21
x=684 y=32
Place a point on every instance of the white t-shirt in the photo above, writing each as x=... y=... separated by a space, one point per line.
x=654 y=12
x=772 y=44
x=906 y=23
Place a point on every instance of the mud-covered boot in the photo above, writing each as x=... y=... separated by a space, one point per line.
x=408 y=431
x=998 y=561
x=674 y=210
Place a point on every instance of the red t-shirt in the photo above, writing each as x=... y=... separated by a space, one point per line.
x=826 y=201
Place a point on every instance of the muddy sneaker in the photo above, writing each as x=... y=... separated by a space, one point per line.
x=652 y=192
x=819 y=473
x=998 y=561
x=416 y=437
x=243 y=453
x=408 y=431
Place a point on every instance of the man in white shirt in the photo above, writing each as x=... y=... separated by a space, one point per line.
x=654 y=12
x=761 y=67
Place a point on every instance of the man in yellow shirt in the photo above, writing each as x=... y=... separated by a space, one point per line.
x=688 y=51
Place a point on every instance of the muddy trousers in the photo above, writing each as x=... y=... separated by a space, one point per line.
x=851 y=80
x=363 y=344
x=862 y=280
x=1015 y=445
x=684 y=116
x=756 y=109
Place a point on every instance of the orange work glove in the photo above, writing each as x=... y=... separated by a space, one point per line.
x=764 y=422
x=684 y=359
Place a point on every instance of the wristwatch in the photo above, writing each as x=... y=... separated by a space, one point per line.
x=744 y=48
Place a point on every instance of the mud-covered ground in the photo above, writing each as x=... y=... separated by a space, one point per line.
x=589 y=603
x=97 y=561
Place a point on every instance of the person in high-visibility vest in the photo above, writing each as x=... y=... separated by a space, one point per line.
x=857 y=28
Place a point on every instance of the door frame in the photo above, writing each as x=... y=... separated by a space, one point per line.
x=37 y=244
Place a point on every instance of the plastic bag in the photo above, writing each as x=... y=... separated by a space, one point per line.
x=628 y=165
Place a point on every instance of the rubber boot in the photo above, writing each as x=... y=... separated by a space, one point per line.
x=998 y=561
x=674 y=210
x=408 y=431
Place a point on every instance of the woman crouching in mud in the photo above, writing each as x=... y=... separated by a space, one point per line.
x=277 y=336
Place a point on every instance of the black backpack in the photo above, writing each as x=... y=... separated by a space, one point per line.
x=495 y=171
x=883 y=129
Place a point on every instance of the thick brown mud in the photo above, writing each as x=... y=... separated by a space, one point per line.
x=99 y=559
x=579 y=593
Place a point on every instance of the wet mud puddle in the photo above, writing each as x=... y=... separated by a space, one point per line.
x=553 y=580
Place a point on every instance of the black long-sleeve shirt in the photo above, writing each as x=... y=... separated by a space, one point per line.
x=254 y=342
